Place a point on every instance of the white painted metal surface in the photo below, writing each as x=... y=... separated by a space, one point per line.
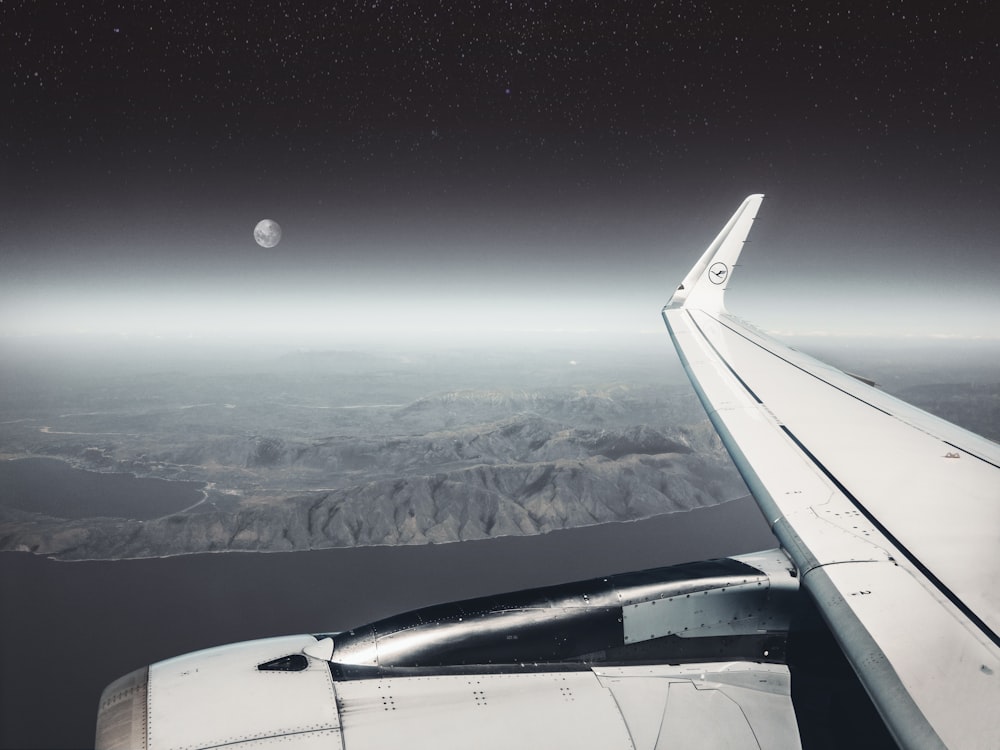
x=891 y=515
x=729 y=705
x=546 y=710
x=938 y=500
x=218 y=698
x=732 y=705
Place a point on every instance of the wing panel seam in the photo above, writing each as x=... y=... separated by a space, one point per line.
x=913 y=559
x=847 y=393
x=802 y=369
x=723 y=360
x=967 y=452
x=280 y=736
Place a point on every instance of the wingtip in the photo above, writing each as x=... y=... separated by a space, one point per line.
x=706 y=282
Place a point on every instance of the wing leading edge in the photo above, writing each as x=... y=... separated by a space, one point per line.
x=891 y=515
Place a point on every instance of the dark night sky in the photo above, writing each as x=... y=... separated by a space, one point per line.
x=494 y=167
x=486 y=171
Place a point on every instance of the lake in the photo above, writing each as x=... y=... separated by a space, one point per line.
x=54 y=488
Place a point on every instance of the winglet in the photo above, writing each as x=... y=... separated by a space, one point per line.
x=706 y=282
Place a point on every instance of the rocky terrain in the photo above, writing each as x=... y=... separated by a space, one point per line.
x=316 y=453
x=473 y=502
x=342 y=449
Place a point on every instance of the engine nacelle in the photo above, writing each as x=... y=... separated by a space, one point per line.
x=726 y=609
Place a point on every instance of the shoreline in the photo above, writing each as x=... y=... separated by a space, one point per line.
x=659 y=516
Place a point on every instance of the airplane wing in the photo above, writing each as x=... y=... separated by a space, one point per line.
x=891 y=515
x=889 y=521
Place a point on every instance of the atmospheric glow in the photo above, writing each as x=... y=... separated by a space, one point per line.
x=548 y=275
x=297 y=309
x=295 y=317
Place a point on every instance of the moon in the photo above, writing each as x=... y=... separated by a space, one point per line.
x=267 y=233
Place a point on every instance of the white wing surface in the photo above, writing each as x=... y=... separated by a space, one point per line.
x=889 y=519
x=891 y=515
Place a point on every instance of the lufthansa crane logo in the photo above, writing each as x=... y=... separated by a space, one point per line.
x=718 y=273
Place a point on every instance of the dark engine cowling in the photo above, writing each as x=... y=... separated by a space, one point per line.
x=602 y=620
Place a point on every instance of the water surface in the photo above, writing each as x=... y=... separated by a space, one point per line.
x=54 y=488
x=70 y=628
